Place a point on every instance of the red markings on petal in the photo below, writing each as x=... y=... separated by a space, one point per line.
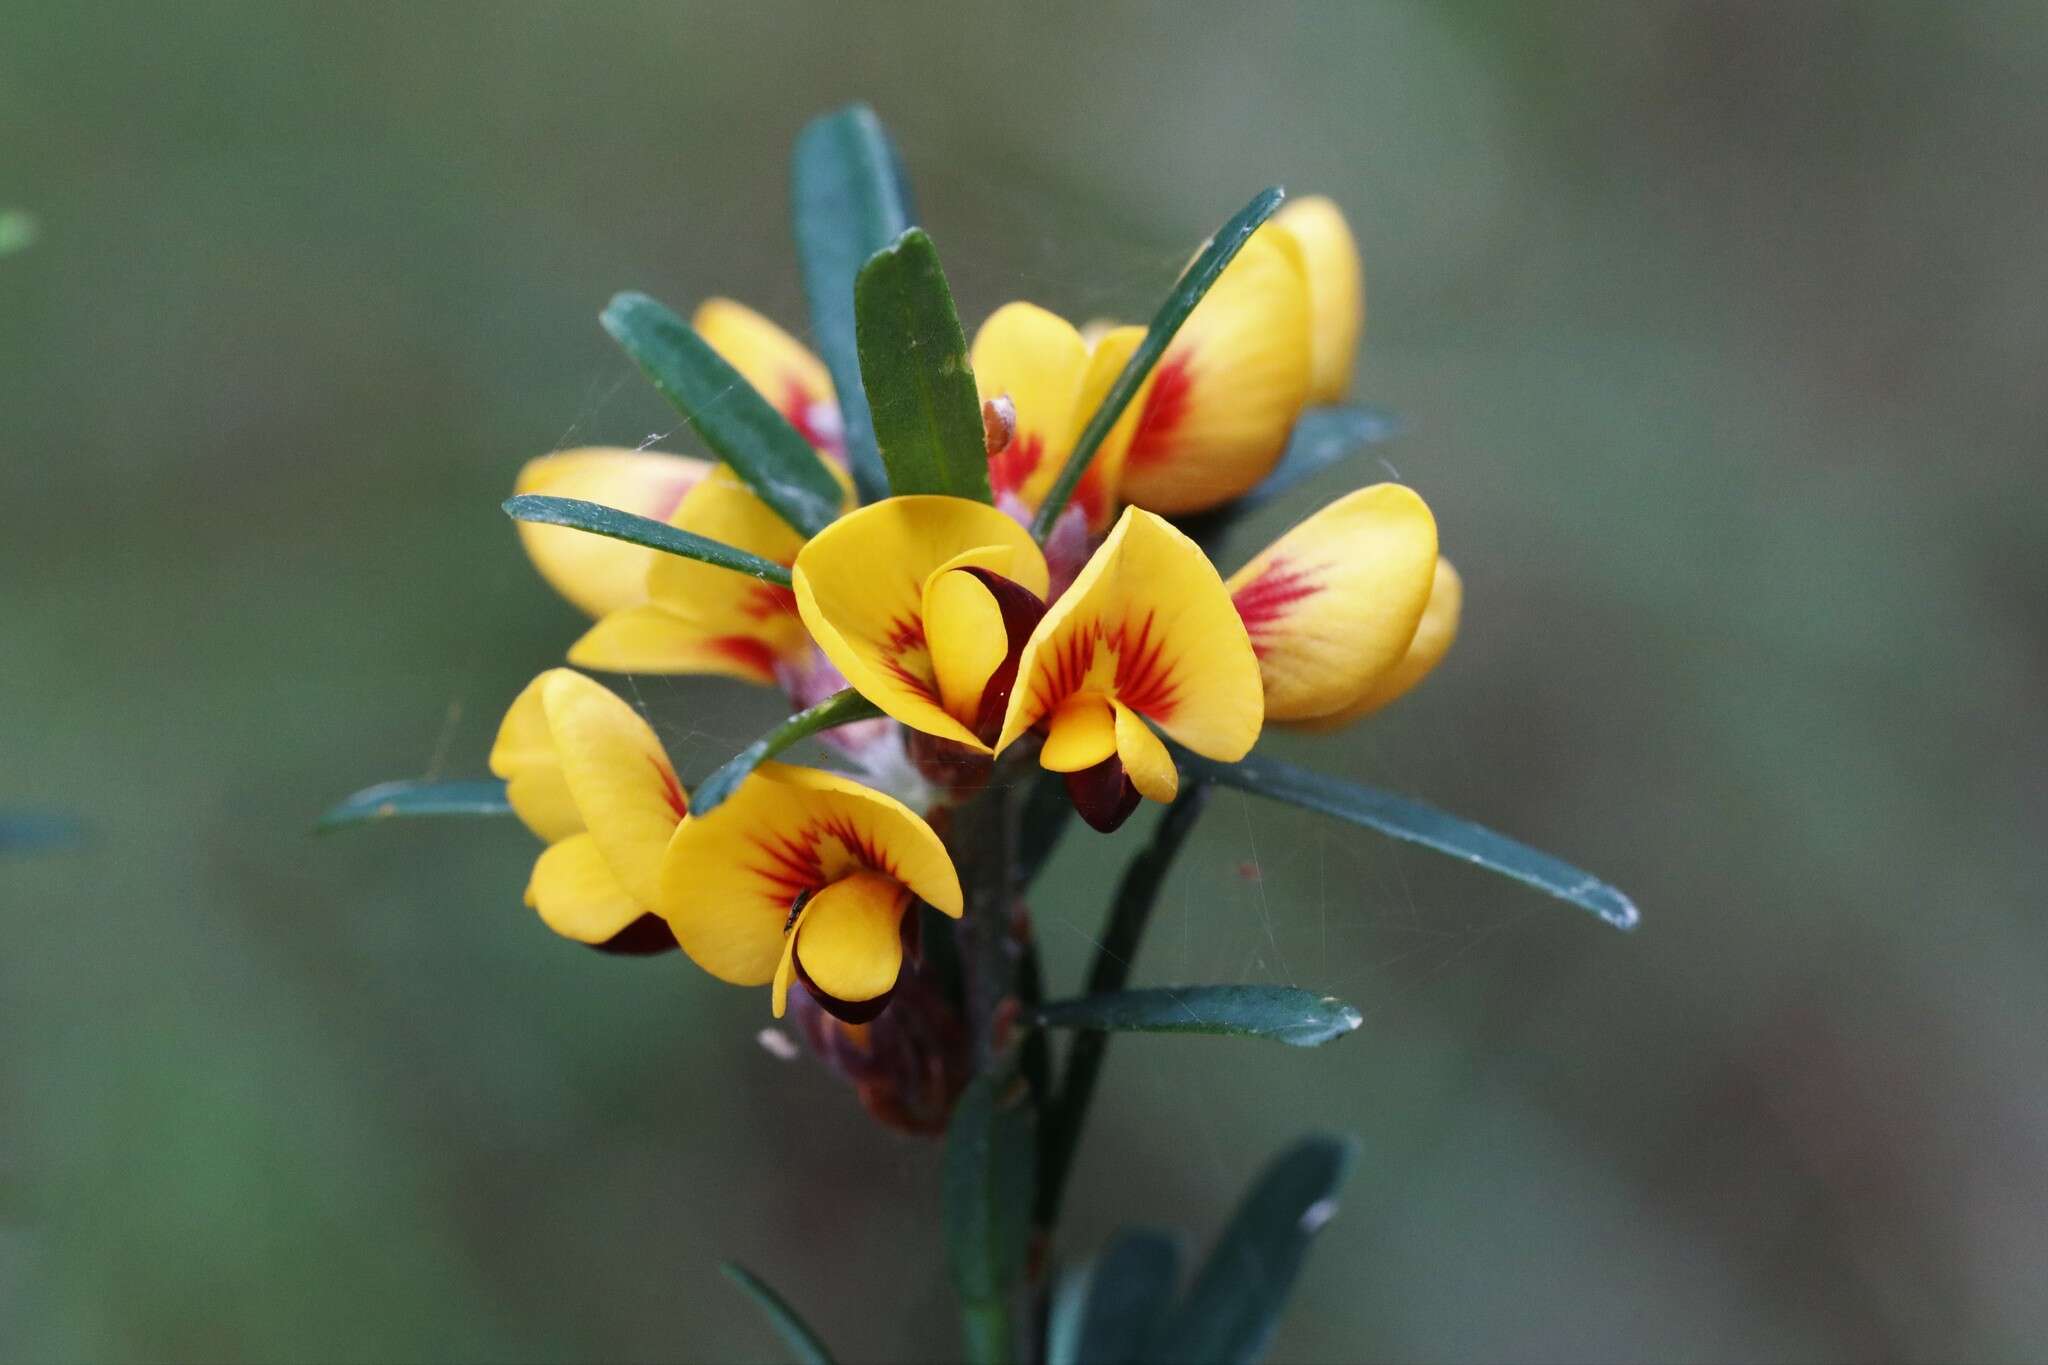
x=1165 y=407
x=746 y=651
x=1262 y=602
x=906 y=637
x=1010 y=468
x=766 y=601
x=671 y=790
x=795 y=863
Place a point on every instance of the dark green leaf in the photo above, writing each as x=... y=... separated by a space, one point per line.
x=600 y=520
x=1229 y=1313
x=1048 y=810
x=26 y=833
x=796 y=1334
x=1109 y=1309
x=1417 y=823
x=850 y=199
x=469 y=797
x=913 y=363
x=1194 y=282
x=741 y=427
x=841 y=708
x=1282 y=1013
x=987 y=1185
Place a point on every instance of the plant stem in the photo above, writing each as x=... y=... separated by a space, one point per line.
x=1136 y=894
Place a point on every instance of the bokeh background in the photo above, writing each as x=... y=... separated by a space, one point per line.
x=1720 y=332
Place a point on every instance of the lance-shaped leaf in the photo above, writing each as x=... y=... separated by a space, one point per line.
x=600 y=520
x=1323 y=437
x=804 y=1344
x=850 y=199
x=1105 y=1311
x=1285 y=1014
x=841 y=708
x=1417 y=823
x=741 y=427
x=1194 y=282
x=1229 y=1313
x=913 y=362
x=22 y=832
x=987 y=1185
x=465 y=797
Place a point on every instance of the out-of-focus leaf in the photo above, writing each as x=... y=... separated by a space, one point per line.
x=741 y=427
x=796 y=1334
x=18 y=231
x=987 y=1184
x=1048 y=810
x=1323 y=437
x=25 y=832
x=1229 y=1313
x=468 y=797
x=841 y=708
x=600 y=520
x=1282 y=1013
x=1194 y=282
x=1105 y=1311
x=1403 y=818
x=850 y=198
x=913 y=362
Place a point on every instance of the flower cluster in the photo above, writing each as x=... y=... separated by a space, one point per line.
x=971 y=638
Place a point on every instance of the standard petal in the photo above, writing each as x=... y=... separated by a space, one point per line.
x=1336 y=291
x=1150 y=624
x=850 y=940
x=653 y=639
x=1144 y=757
x=779 y=367
x=860 y=589
x=730 y=878
x=1037 y=360
x=1332 y=604
x=1433 y=639
x=597 y=573
x=578 y=895
x=725 y=603
x=524 y=755
x=620 y=776
x=1218 y=408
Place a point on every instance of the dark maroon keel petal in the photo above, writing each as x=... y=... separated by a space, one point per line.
x=644 y=937
x=1103 y=794
x=1022 y=610
x=847 y=1011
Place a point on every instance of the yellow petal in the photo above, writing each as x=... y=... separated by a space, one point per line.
x=1080 y=734
x=620 y=777
x=1145 y=759
x=725 y=509
x=1219 y=406
x=653 y=639
x=850 y=938
x=1336 y=291
x=860 y=588
x=597 y=573
x=963 y=629
x=730 y=877
x=779 y=367
x=1037 y=360
x=785 y=971
x=1097 y=490
x=1148 y=623
x=1332 y=604
x=1433 y=638
x=524 y=755
x=577 y=893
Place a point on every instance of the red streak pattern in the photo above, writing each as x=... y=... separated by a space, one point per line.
x=795 y=863
x=905 y=635
x=765 y=601
x=746 y=651
x=1012 y=466
x=1165 y=408
x=1144 y=676
x=671 y=790
x=1266 y=599
x=796 y=406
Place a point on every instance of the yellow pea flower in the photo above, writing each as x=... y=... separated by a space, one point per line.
x=1055 y=379
x=805 y=875
x=781 y=369
x=920 y=601
x=1336 y=608
x=1146 y=633
x=587 y=775
x=597 y=574
x=1336 y=291
x=698 y=618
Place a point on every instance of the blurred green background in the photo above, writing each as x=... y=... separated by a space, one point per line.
x=1720 y=331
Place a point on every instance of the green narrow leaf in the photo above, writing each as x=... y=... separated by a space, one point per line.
x=841 y=708
x=23 y=832
x=803 y=1343
x=987 y=1184
x=1048 y=811
x=600 y=520
x=1402 y=818
x=471 y=797
x=18 y=231
x=1229 y=1313
x=1194 y=282
x=1323 y=437
x=741 y=427
x=1105 y=1312
x=913 y=364
x=1282 y=1013
x=850 y=199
